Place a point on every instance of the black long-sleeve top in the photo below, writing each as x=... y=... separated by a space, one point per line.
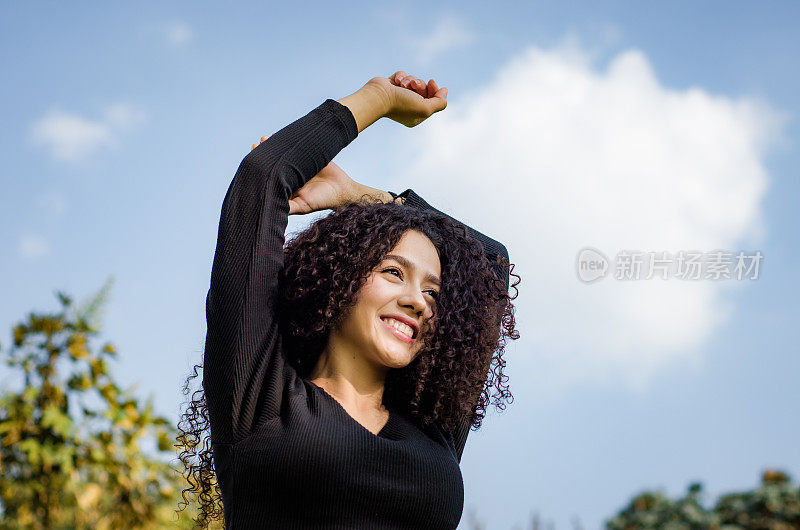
x=286 y=453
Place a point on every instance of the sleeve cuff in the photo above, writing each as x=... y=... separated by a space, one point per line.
x=345 y=115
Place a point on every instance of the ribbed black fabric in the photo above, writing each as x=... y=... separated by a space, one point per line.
x=286 y=453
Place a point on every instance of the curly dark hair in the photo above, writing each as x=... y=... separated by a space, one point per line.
x=447 y=385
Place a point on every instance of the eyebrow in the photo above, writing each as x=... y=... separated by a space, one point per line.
x=408 y=265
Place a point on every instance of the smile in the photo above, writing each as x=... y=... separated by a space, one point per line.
x=397 y=333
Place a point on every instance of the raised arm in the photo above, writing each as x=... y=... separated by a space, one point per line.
x=244 y=373
x=246 y=376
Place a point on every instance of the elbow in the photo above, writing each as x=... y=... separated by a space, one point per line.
x=256 y=168
x=258 y=161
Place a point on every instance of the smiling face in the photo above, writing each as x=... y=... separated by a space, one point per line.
x=405 y=284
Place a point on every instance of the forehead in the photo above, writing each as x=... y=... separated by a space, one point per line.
x=418 y=252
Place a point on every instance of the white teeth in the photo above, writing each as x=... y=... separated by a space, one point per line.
x=401 y=327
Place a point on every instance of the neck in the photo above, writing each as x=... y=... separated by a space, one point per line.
x=349 y=377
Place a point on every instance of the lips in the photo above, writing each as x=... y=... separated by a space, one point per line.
x=396 y=332
x=405 y=320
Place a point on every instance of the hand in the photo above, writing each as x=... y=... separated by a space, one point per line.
x=328 y=189
x=411 y=101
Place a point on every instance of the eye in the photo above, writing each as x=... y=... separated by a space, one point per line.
x=434 y=293
x=393 y=269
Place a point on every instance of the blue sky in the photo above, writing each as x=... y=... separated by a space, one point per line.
x=613 y=125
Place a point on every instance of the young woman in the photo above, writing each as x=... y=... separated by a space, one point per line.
x=343 y=371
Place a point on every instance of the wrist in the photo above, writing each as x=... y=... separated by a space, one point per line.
x=368 y=104
x=379 y=92
x=372 y=194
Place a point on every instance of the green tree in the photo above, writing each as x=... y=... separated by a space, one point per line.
x=775 y=505
x=70 y=453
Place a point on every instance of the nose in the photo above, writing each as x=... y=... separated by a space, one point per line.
x=414 y=299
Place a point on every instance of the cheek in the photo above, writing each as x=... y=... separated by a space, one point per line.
x=371 y=292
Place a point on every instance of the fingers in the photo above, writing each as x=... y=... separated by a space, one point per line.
x=260 y=142
x=412 y=111
x=431 y=88
x=403 y=80
x=414 y=84
x=435 y=97
x=438 y=100
x=397 y=77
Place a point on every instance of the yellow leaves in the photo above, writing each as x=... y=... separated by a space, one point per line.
x=77 y=346
x=80 y=382
x=46 y=324
x=89 y=495
x=54 y=418
x=130 y=409
x=774 y=476
x=167 y=490
x=19 y=334
x=125 y=423
x=57 y=457
x=31 y=447
x=11 y=432
x=164 y=442
x=29 y=395
x=123 y=416
x=82 y=470
x=97 y=455
x=98 y=367
x=45 y=371
x=109 y=392
x=56 y=395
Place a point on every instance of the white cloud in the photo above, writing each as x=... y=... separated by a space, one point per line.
x=72 y=137
x=178 y=33
x=175 y=33
x=33 y=246
x=69 y=136
x=553 y=155
x=123 y=116
x=449 y=34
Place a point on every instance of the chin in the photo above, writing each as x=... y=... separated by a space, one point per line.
x=398 y=361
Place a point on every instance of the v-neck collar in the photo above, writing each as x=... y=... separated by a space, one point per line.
x=386 y=431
